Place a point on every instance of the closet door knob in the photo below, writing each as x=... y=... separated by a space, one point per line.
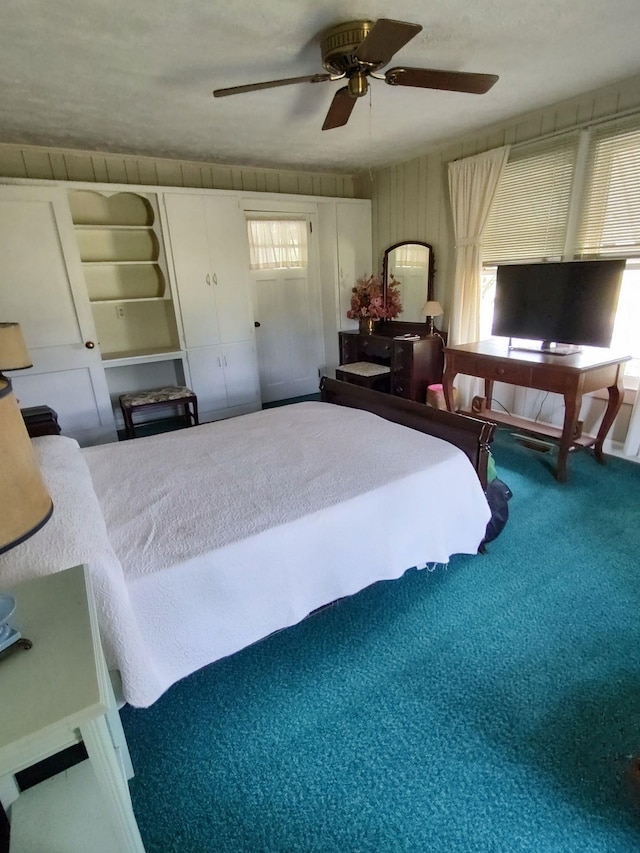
x=89 y=344
x=256 y=324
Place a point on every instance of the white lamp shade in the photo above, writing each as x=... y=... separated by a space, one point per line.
x=13 y=350
x=431 y=308
x=26 y=502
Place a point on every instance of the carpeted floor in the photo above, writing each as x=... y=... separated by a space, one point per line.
x=491 y=705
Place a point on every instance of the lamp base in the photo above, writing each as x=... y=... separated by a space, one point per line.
x=11 y=641
x=10 y=637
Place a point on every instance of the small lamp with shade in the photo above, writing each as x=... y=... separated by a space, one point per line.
x=431 y=309
x=27 y=503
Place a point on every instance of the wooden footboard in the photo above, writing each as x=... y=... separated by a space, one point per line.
x=471 y=435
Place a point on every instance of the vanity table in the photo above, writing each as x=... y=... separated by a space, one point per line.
x=411 y=350
x=415 y=362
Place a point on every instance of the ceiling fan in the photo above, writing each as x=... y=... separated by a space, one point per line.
x=355 y=51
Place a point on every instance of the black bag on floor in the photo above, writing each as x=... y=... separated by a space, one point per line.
x=498 y=497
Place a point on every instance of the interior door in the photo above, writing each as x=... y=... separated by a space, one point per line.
x=42 y=288
x=289 y=337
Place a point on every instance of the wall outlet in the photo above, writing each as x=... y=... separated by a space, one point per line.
x=119 y=310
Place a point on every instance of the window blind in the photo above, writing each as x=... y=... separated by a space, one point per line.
x=530 y=213
x=610 y=222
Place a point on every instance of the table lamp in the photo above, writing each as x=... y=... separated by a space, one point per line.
x=27 y=505
x=431 y=309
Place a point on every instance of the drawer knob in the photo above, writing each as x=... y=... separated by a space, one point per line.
x=500 y=371
x=89 y=344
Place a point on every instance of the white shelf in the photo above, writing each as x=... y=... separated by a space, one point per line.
x=123 y=359
x=80 y=227
x=117 y=299
x=117 y=263
x=64 y=814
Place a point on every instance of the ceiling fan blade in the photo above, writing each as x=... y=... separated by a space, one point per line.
x=271 y=84
x=432 y=78
x=340 y=109
x=384 y=39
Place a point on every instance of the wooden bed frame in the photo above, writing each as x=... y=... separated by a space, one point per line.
x=471 y=435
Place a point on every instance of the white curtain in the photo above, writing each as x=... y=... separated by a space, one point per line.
x=277 y=243
x=473 y=183
x=632 y=441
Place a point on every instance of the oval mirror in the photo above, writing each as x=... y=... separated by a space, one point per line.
x=411 y=265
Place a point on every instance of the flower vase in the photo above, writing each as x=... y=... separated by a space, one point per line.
x=368 y=325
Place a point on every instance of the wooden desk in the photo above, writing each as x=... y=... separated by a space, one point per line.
x=569 y=375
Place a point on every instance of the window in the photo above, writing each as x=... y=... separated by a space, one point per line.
x=277 y=243
x=540 y=196
x=611 y=211
x=531 y=212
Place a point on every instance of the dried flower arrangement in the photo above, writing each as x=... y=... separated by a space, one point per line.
x=367 y=300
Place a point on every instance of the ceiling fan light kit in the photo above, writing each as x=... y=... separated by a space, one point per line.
x=355 y=50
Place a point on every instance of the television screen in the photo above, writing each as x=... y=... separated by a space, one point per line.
x=572 y=302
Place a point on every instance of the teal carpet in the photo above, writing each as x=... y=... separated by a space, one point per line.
x=490 y=705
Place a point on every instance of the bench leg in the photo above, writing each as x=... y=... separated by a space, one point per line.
x=129 y=429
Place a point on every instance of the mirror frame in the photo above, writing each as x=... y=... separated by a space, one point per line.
x=430 y=271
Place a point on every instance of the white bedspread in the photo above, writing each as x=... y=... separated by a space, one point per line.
x=227 y=532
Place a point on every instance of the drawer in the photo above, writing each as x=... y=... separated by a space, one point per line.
x=377 y=346
x=348 y=349
x=401 y=387
x=514 y=374
x=402 y=360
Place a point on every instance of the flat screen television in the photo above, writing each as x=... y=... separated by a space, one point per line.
x=567 y=303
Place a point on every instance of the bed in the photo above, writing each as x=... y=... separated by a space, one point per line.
x=203 y=541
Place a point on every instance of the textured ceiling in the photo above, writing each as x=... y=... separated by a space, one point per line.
x=136 y=76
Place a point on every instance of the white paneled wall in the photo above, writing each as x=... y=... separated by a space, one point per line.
x=410 y=201
x=20 y=161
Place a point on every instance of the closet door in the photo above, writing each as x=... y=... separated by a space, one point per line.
x=211 y=264
x=207 y=380
x=42 y=288
x=189 y=237
x=225 y=379
x=241 y=374
x=209 y=247
x=229 y=258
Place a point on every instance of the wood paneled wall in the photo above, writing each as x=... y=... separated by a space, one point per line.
x=18 y=161
x=411 y=200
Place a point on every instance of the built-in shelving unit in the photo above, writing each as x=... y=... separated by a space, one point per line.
x=124 y=269
x=125 y=273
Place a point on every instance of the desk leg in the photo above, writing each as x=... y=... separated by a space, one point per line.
x=572 y=406
x=616 y=396
x=112 y=783
x=447 y=386
x=488 y=392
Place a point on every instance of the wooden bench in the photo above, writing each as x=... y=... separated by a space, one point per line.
x=366 y=374
x=170 y=395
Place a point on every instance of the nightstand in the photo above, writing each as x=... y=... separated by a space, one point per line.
x=55 y=695
x=40 y=420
